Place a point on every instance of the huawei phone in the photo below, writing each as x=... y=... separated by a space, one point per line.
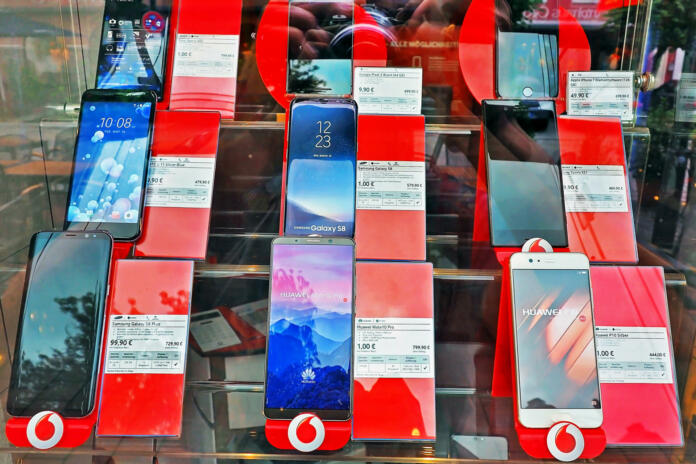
x=310 y=328
x=56 y=356
x=321 y=164
x=110 y=162
x=523 y=164
x=555 y=356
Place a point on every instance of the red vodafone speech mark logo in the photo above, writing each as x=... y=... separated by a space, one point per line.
x=300 y=433
x=537 y=245
x=45 y=429
x=565 y=441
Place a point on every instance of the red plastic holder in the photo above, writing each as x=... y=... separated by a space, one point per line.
x=307 y=433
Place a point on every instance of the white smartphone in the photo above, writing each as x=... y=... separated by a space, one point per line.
x=553 y=328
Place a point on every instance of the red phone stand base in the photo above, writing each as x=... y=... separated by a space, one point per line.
x=307 y=433
x=47 y=429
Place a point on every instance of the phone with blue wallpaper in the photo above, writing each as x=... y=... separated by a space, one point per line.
x=320 y=187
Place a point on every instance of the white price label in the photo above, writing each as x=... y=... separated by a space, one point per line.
x=594 y=189
x=633 y=355
x=686 y=98
x=206 y=55
x=391 y=185
x=388 y=90
x=180 y=182
x=601 y=93
x=397 y=347
x=146 y=344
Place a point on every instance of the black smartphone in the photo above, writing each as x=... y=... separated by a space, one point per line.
x=133 y=48
x=526 y=51
x=59 y=338
x=320 y=191
x=107 y=185
x=309 y=345
x=320 y=47
x=523 y=163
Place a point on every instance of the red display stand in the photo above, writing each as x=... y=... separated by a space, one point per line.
x=305 y=434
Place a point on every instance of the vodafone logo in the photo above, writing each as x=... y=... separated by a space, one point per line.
x=537 y=245
x=565 y=441
x=306 y=432
x=45 y=430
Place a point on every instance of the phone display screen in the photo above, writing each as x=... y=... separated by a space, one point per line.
x=556 y=361
x=60 y=327
x=111 y=157
x=310 y=331
x=320 y=193
x=320 y=47
x=523 y=162
x=132 y=52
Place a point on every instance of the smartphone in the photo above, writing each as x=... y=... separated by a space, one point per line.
x=553 y=330
x=310 y=328
x=320 y=47
x=133 y=47
x=56 y=356
x=320 y=186
x=523 y=163
x=110 y=163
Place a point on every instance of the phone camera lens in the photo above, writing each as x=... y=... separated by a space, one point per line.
x=531 y=260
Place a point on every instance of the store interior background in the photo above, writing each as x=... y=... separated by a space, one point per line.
x=48 y=57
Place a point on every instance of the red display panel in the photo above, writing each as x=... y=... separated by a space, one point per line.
x=184 y=134
x=145 y=404
x=390 y=234
x=394 y=408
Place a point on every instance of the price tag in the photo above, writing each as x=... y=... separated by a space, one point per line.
x=388 y=90
x=206 y=55
x=397 y=347
x=686 y=98
x=146 y=344
x=594 y=188
x=633 y=355
x=180 y=182
x=391 y=185
x=601 y=93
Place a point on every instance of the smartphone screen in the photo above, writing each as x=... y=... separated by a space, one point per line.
x=320 y=47
x=556 y=362
x=110 y=163
x=60 y=325
x=133 y=46
x=310 y=331
x=320 y=188
x=523 y=162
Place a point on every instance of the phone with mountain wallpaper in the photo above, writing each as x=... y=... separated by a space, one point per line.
x=310 y=328
x=553 y=326
x=133 y=47
x=56 y=355
x=320 y=186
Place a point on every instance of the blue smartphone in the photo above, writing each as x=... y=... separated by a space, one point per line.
x=320 y=187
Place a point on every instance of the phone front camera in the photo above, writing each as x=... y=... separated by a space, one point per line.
x=531 y=260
